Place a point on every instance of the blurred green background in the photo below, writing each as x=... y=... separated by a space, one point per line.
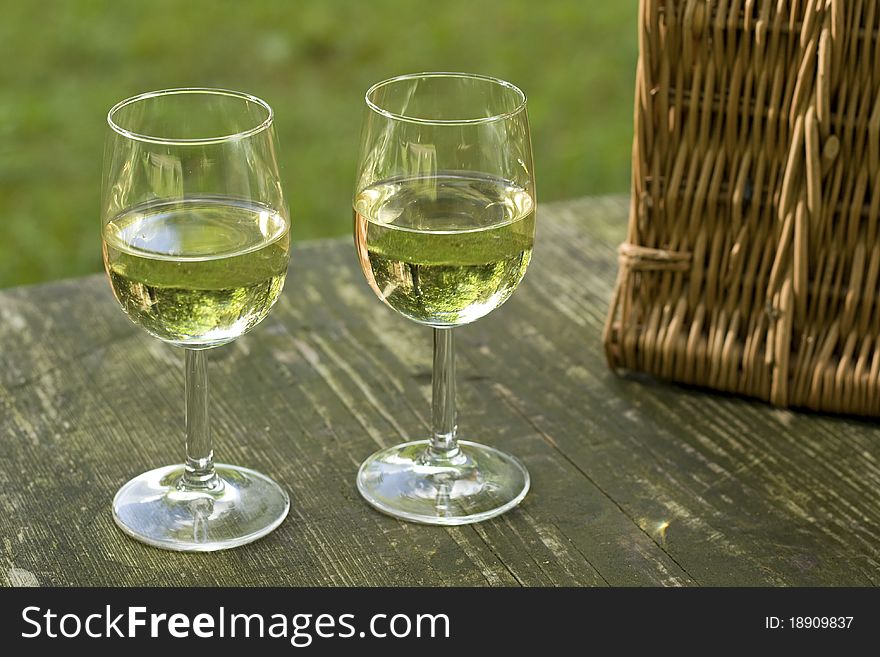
x=63 y=64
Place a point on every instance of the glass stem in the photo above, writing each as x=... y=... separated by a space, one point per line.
x=199 y=469
x=444 y=445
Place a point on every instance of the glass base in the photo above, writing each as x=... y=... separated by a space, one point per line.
x=244 y=507
x=475 y=484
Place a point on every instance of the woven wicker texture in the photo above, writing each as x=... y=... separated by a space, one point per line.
x=753 y=252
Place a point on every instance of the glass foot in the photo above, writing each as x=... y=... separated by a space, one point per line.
x=246 y=506
x=475 y=484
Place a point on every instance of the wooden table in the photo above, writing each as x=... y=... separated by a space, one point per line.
x=633 y=482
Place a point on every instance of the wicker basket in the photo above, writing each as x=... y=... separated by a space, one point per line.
x=753 y=251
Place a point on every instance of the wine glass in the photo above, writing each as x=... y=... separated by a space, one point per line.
x=196 y=244
x=444 y=222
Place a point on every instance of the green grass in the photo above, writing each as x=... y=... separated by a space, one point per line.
x=63 y=64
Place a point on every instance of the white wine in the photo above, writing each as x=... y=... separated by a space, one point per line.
x=197 y=272
x=444 y=250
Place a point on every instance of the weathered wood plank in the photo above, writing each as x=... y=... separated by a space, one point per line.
x=733 y=491
x=633 y=482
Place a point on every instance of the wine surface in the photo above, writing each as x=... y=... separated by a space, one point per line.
x=444 y=250
x=197 y=272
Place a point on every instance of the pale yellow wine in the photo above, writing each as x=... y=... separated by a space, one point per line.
x=444 y=250
x=197 y=272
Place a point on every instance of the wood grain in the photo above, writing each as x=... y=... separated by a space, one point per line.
x=634 y=482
